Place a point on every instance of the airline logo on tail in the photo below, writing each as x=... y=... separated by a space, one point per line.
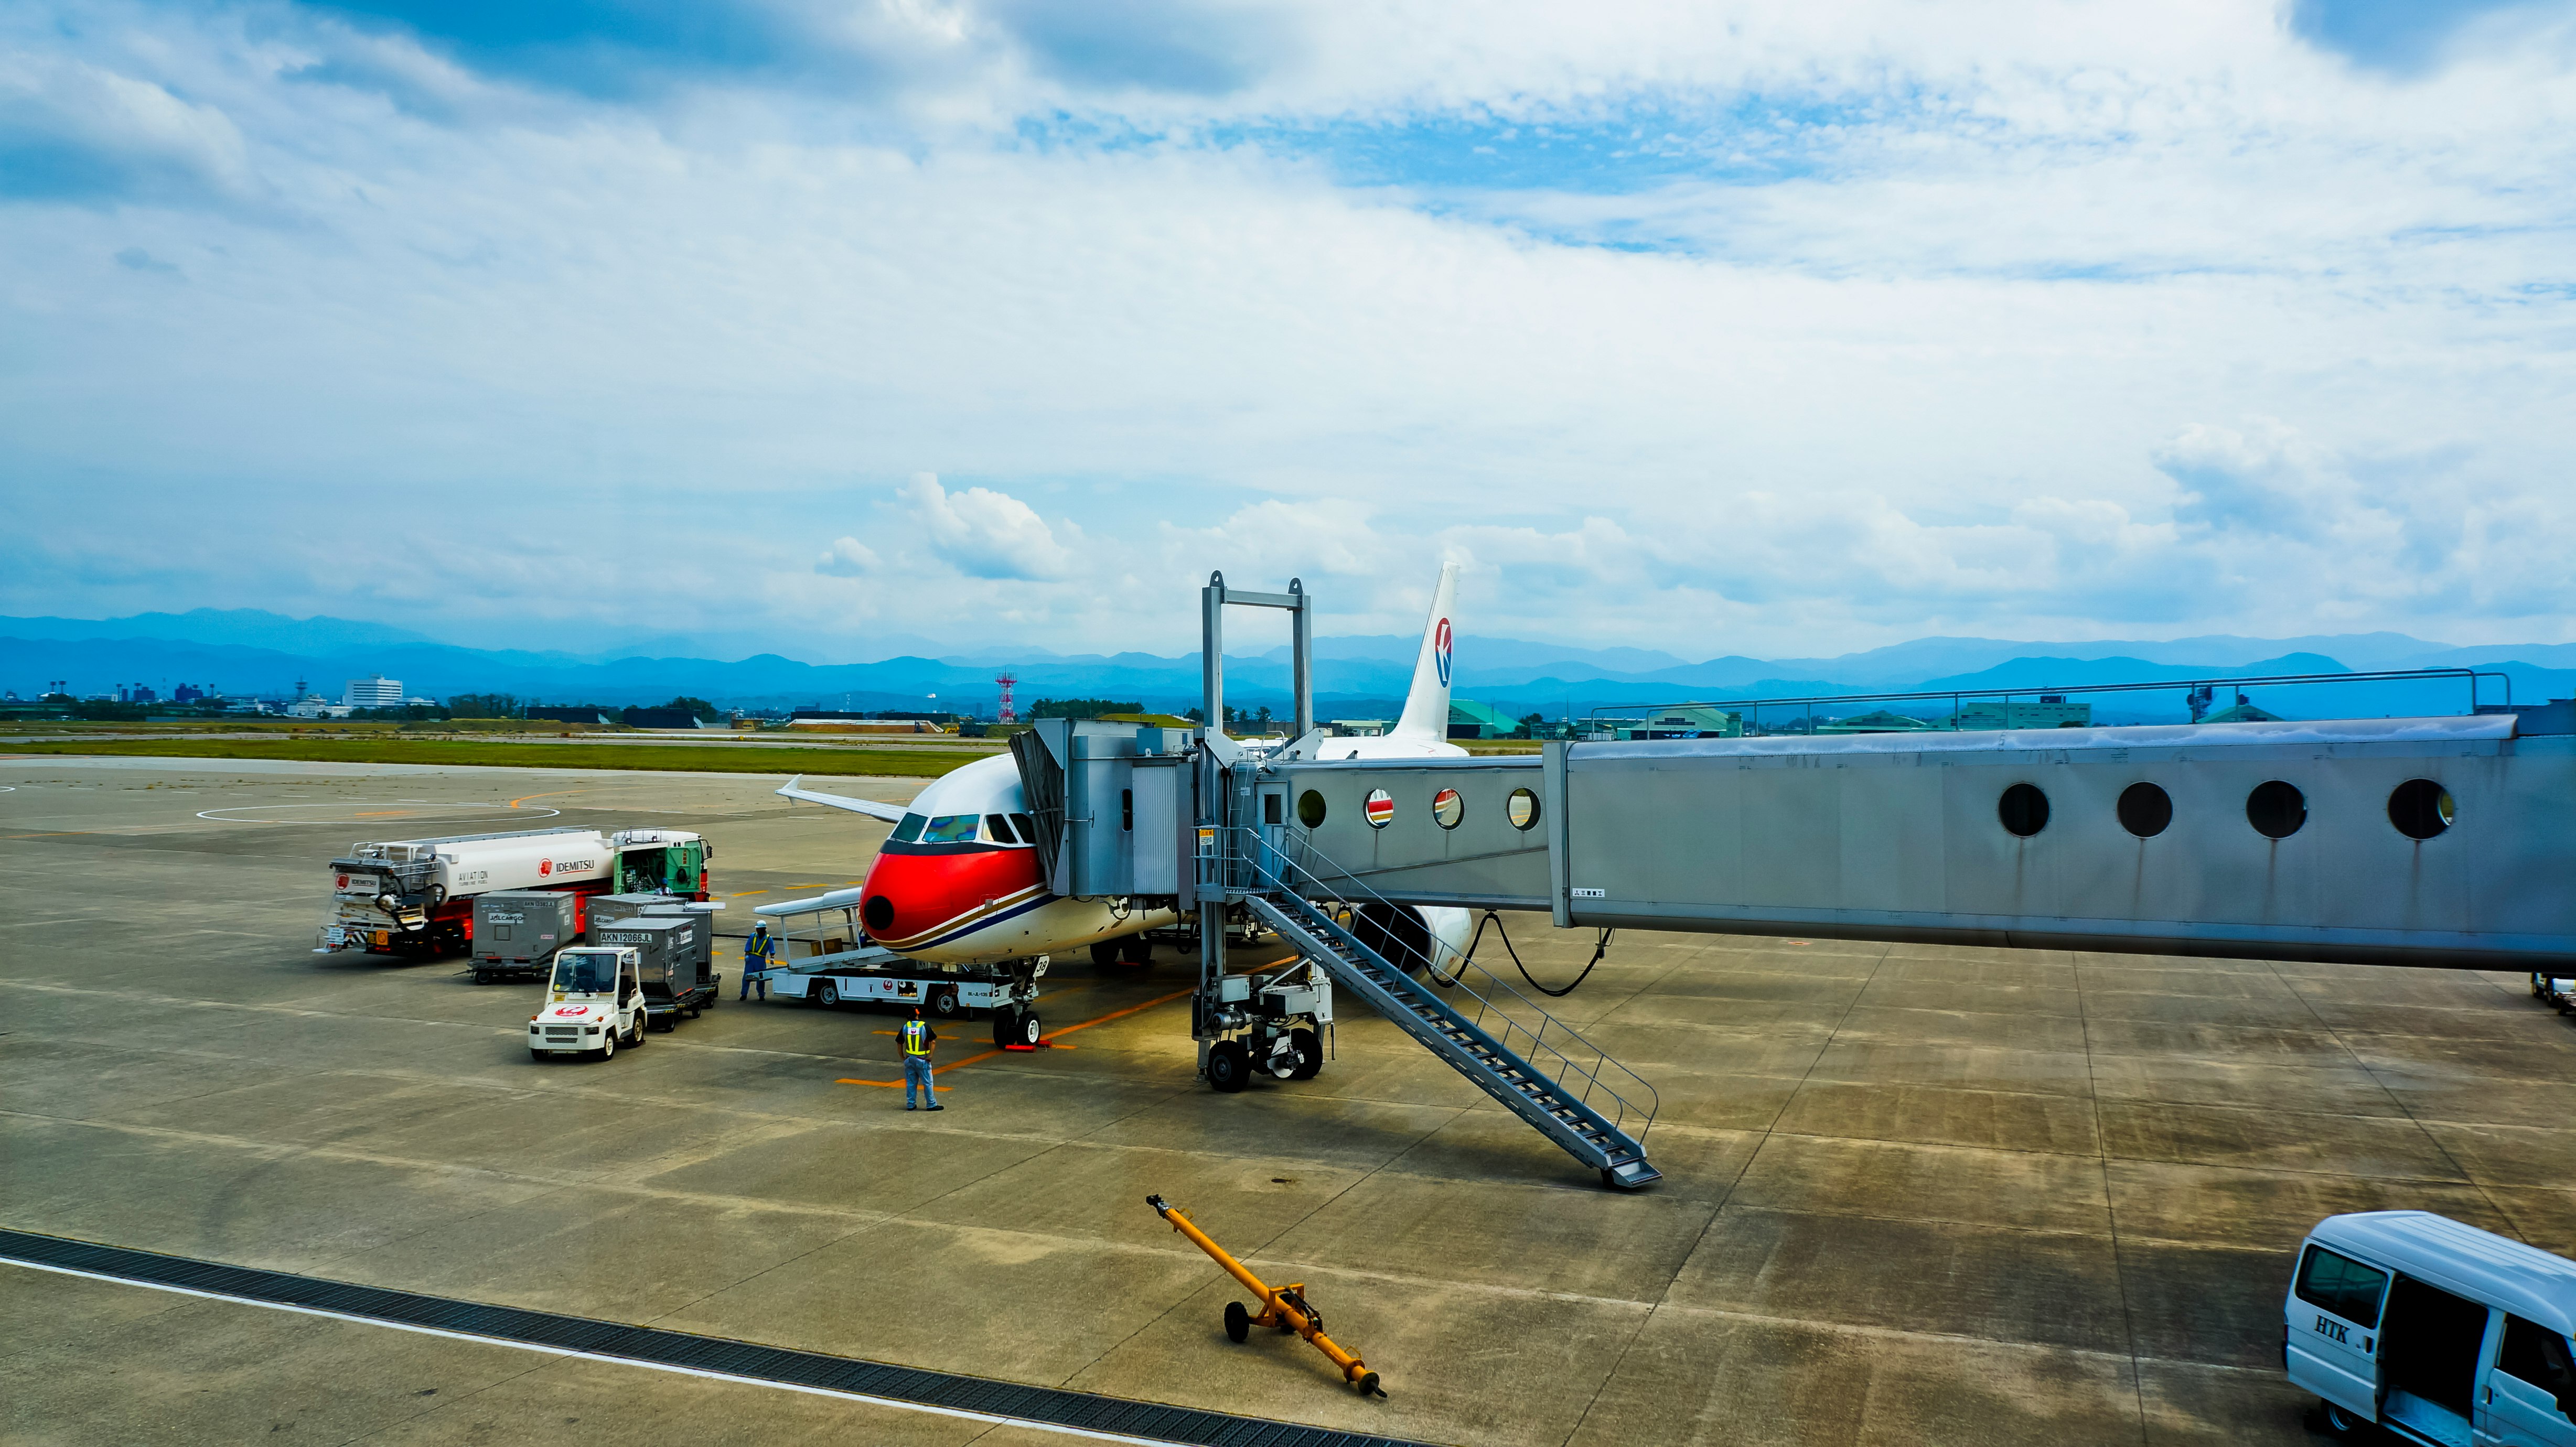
x=1440 y=650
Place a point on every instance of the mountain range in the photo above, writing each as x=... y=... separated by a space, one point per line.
x=247 y=651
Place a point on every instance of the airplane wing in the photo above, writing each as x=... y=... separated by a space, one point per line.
x=891 y=813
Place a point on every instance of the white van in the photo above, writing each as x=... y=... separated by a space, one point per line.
x=2439 y=1332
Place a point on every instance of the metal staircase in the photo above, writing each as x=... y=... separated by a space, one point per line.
x=1555 y=1079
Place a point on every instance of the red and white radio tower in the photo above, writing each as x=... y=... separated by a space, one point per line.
x=1006 y=680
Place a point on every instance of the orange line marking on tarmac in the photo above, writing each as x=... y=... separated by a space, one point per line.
x=1112 y=1015
x=557 y=794
x=1047 y=1039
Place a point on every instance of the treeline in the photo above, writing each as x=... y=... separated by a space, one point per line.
x=1082 y=707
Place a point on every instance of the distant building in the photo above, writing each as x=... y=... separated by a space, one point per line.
x=2051 y=711
x=1686 y=721
x=1876 y=721
x=186 y=693
x=373 y=691
x=1358 y=728
x=314 y=705
x=1469 y=719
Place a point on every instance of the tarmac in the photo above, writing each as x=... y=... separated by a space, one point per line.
x=1911 y=1193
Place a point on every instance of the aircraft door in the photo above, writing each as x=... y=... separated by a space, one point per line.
x=1270 y=811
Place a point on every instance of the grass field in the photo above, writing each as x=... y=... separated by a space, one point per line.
x=903 y=763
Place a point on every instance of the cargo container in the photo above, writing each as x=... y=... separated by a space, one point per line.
x=517 y=931
x=611 y=908
x=671 y=960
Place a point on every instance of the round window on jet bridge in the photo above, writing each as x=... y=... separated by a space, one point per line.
x=2145 y=810
x=2420 y=808
x=2276 y=810
x=1447 y=808
x=2023 y=809
x=1310 y=809
x=877 y=914
x=1521 y=809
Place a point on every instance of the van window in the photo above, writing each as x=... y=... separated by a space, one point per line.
x=2339 y=1284
x=2537 y=1355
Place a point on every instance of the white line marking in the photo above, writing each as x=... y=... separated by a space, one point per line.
x=992 y=1418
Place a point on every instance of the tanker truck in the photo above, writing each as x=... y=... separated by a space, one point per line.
x=416 y=897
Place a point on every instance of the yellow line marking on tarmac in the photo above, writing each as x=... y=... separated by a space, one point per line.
x=557 y=794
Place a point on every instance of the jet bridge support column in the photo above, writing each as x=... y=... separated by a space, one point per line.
x=1223 y=794
x=1300 y=606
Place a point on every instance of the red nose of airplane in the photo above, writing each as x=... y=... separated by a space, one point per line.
x=916 y=900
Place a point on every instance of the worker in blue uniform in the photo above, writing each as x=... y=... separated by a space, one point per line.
x=918 y=1038
x=758 y=953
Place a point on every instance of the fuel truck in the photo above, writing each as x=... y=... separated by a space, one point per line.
x=415 y=897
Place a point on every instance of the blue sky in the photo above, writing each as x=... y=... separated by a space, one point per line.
x=1720 y=327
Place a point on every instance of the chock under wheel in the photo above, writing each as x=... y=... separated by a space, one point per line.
x=1284 y=1307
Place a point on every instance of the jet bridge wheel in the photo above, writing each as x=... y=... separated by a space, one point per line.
x=1229 y=1066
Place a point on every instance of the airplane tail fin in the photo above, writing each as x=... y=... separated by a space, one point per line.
x=1426 y=708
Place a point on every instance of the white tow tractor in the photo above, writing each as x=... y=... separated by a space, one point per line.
x=595 y=1003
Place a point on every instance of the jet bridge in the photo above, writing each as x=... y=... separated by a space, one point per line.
x=2445 y=842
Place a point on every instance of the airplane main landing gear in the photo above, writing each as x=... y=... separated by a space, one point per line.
x=1015 y=1028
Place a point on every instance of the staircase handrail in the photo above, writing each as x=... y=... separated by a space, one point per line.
x=1276 y=881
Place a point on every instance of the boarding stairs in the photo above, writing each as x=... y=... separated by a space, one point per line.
x=1539 y=1067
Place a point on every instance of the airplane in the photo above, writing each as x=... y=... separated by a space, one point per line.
x=959 y=882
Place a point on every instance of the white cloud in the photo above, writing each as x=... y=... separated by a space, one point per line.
x=985 y=534
x=847 y=558
x=1933 y=322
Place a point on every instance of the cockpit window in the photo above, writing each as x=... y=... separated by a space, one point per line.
x=950 y=829
x=910 y=829
x=1028 y=828
x=998 y=829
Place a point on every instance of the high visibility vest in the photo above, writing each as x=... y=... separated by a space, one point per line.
x=916 y=1037
x=758 y=951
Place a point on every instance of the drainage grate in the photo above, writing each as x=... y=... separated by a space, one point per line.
x=1043 y=1406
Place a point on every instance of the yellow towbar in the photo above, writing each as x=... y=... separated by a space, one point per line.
x=1283 y=1307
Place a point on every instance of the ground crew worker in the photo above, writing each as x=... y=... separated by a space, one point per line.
x=758 y=953
x=918 y=1038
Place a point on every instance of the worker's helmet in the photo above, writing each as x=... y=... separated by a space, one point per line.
x=760 y=927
